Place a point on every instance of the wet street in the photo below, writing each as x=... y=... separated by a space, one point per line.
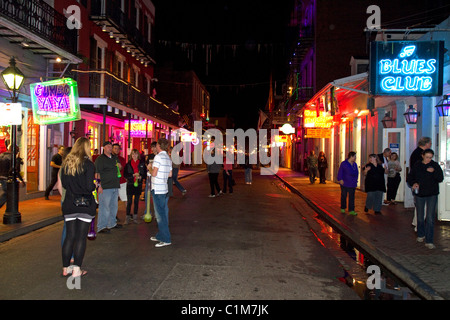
x=259 y=243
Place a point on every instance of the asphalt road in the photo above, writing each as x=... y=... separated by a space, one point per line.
x=255 y=244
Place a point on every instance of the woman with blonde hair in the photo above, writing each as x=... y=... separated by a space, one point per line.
x=77 y=178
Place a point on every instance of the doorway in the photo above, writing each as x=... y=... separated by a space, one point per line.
x=394 y=139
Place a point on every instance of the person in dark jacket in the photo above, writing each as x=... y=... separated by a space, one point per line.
x=348 y=179
x=134 y=172
x=374 y=184
x=424 y=180
x=322 y=165
x=77 y=178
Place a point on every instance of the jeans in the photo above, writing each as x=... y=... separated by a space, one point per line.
x=312 y=174
x=248 y=175
x=351 y=198
x=425 y=225
x=374 y=200
x=228 y=180
x=213 y=182
x=175 y=179
x=107 y=208
x=160 y=202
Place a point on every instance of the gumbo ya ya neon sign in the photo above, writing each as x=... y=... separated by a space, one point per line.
x=55 y=101
x=412 y=75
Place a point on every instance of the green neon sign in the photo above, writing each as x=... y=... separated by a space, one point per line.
x=55 y=101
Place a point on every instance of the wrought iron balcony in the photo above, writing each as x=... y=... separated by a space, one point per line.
x=107 y=13
x=102 y=84
x=40 y=19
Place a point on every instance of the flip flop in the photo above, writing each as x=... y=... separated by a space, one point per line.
x=83 y=273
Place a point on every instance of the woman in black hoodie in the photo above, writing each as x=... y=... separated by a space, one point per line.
x=78 y=207
x=424 y=178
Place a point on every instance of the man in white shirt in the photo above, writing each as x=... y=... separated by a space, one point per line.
x=161 y=171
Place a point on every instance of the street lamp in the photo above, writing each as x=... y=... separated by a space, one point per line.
x=13 y=79
x=387 y=121
x=411 y=115
x=443 y=107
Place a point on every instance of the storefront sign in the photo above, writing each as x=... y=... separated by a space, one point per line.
x=55 y=101
x=318 y=133
x=311 y=120
x=406 y=68
x=10 y=114
x=138 y=128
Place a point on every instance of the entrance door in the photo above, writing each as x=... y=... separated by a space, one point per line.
x=444 y=161
x=395 y=140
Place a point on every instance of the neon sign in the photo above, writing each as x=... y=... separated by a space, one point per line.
x=138 y=128
x=405 y=68
x=311 y=120
x=55 y=101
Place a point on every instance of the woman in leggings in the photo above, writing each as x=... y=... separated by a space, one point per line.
x=77 y=178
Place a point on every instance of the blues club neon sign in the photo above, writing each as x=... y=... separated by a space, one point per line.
x=406 y=68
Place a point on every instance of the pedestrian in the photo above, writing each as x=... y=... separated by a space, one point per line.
x=123 y=182
x=107 y=168
x=5 y=172
x=424 y=179
x=348 y=179
x=394 y=178
x=79 y=207
x=134 y=172
x=227 y=174
x=416 y=156
x=148 y=180
x=312 y=166
x=175 y=171
x=161 y=171
x=322 y=166
x=55 y=163
x=213 y=170
x=384 y=159
x=374 y=183
x=248 y=167
x=95 y=155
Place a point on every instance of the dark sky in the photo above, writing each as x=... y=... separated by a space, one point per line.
x=246 y=39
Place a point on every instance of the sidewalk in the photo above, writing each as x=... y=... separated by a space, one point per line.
x=38 y=213
x=388 y=238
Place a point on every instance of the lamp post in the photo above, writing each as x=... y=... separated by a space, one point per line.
x=13 y=79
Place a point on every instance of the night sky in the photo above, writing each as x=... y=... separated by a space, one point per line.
x=246 y=41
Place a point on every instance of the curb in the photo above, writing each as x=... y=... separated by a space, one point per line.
x=409 y=278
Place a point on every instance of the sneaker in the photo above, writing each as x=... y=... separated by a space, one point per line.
x=212 y=196
x=430 y=246
x=154 y=239
x=420 y=239
x=162 y=244
x=220 y=193
x=353 y=213
x=183 y=192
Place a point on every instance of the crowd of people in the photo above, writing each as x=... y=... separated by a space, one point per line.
x=382 y=180
x=87 y=183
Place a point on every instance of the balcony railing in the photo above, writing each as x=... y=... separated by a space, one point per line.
x=42 y=20
x=102 y=84
x=110 y=10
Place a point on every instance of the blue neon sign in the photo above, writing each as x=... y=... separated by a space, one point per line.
x=405 y=68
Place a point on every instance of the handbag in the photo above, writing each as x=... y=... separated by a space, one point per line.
x=82 y=201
